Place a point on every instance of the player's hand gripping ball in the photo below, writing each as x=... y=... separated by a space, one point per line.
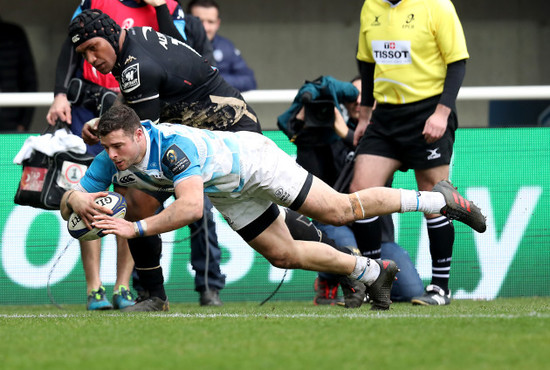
x=77 y=228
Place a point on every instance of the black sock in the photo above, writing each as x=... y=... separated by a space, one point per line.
x=153 y=282
x=368 y=234
x=442 y=235
x=146 y=252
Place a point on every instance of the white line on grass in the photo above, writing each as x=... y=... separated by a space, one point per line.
x=371 y=316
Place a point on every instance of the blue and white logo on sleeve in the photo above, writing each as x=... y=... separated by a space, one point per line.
x=176 y=160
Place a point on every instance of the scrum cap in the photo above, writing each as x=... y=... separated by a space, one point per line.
x=94 y=23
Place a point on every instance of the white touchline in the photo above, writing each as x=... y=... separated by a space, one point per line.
x=538 y=315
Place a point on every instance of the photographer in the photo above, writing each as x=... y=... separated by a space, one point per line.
x=314 y=123
x=321 y=123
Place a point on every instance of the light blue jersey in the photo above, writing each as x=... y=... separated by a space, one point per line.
x=243 y=172
x=174 y=153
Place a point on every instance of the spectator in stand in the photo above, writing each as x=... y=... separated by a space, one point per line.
x=17 y=74
x=228 y=58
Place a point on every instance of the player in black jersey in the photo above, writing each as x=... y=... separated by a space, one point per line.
x=161 y=78
x=82 y=94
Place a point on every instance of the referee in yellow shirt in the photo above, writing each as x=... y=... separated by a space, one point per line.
x=412 y=58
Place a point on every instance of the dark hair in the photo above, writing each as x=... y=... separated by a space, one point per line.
x=118 y=117
x=203 y=4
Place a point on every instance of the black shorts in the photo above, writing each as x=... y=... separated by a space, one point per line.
x=396 y=132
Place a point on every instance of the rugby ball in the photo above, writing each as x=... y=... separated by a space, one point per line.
x=77 y=228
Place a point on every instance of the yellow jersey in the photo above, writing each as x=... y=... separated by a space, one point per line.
x=411 y=43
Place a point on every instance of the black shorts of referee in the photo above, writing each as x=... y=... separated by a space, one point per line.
x=396 y=132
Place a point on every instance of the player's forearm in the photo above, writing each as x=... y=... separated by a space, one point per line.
x=453 y=81
x=177 y=215
x=64 y=206
x=155 y=3
x=165 y=21
x=367 y=83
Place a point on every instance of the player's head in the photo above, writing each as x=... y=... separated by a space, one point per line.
x=208 y=11
x=121 y=134
x=118 y=117
x=96 y=36
x=93 y=23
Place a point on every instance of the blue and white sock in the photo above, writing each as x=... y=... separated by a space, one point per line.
x=366 y=270
x=421 y=201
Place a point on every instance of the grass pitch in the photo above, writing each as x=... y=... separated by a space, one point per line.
x=499 y=334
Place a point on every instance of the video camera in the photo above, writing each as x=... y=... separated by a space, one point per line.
x=317 y=128
x=319 y=113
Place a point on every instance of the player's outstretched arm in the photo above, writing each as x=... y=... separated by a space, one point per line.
x=186 y=209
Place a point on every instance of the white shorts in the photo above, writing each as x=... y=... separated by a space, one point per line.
x=270 y=176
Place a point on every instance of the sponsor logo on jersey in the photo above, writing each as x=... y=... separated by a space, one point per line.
x=433 y=154
x=127 y=23
x=130 y=58
x=163 y=40
x=129 y=78
x=376 y=21
x=409 y=22
x=127 y=179
x=282 y=194
x=392 y=52
x=176 y=160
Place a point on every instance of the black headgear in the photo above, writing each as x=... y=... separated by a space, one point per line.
x=94 y=23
